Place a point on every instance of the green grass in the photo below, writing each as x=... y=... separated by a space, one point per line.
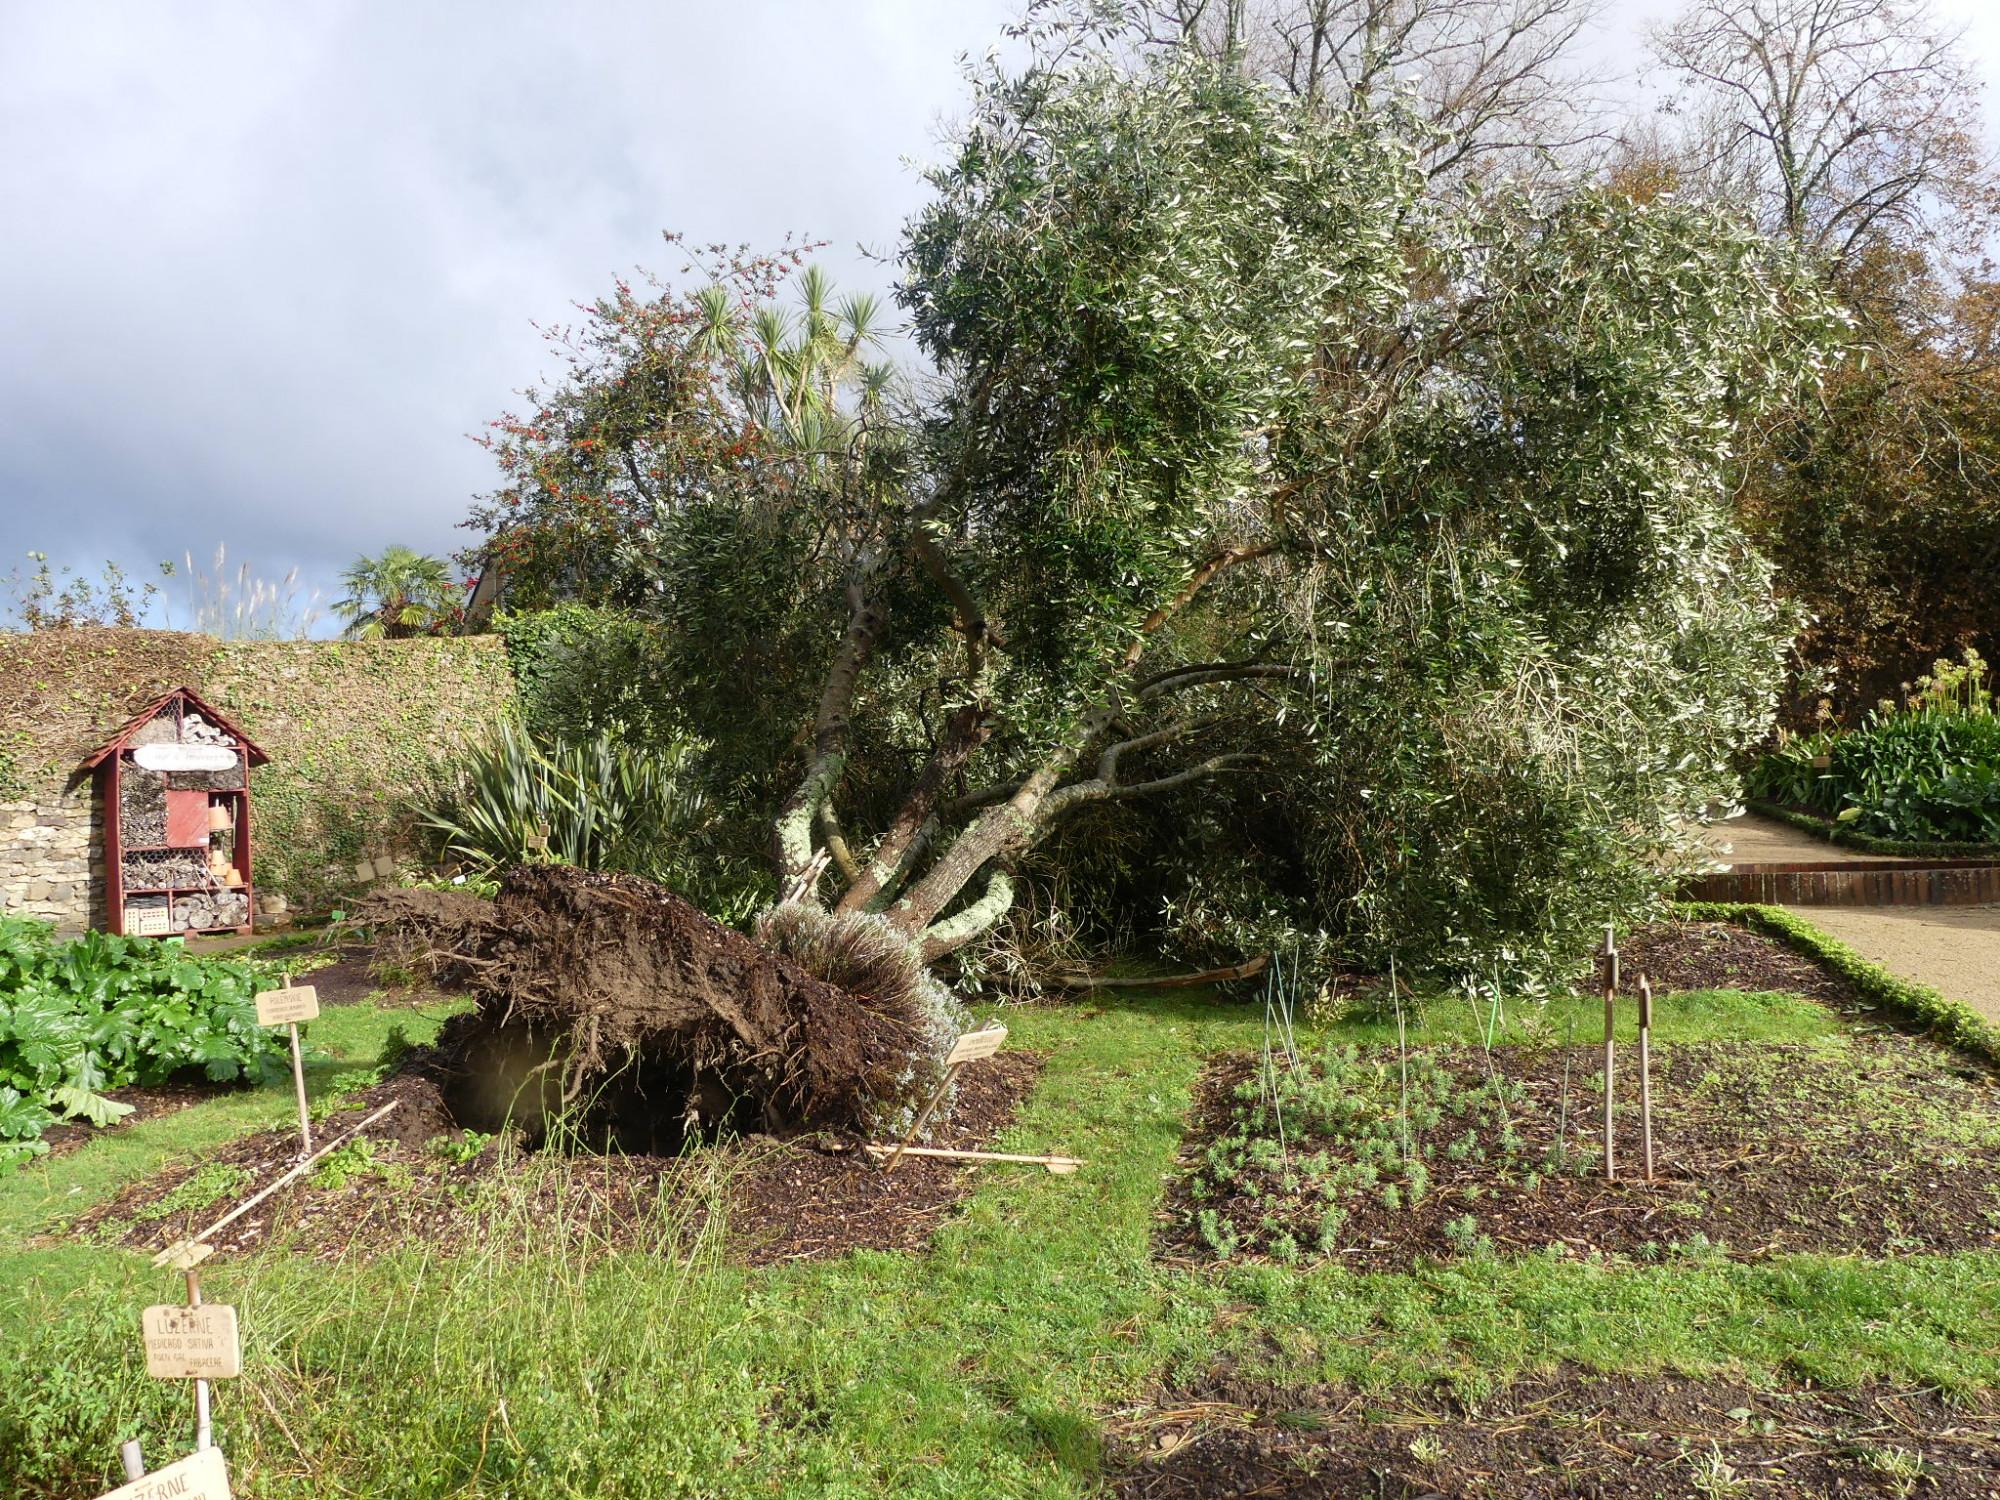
x=530 y=1362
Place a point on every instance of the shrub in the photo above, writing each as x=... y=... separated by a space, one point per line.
x=599 y=804
x=1929 y=770
x=99 y=1012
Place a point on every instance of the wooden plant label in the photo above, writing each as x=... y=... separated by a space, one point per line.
x=200 y=1476
x=192 y=1343
x=974 y=1045
x=277 y=1007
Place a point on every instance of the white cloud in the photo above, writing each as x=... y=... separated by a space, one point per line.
x=266 y=266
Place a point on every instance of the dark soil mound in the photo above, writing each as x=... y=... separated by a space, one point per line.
x=1570 y=1433
x=419 y=1180
x=612 y=994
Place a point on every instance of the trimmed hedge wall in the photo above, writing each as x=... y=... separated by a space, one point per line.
x=352 y=727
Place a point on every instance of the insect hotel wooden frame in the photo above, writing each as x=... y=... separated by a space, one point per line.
x=175 y=789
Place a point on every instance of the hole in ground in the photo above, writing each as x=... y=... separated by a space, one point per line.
x=511 y=1077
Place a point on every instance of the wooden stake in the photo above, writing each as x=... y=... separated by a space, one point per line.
x=1646 y=1069
x=299 y=1085
x=1060 y=1165
x=902 y=1147
x=1610 y=1022
x=202 y=1437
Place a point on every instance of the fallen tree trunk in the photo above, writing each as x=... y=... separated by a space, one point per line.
x=614 y=997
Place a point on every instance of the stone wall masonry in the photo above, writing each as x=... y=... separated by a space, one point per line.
x=52 y=859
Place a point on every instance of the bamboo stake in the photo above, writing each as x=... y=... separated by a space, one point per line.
x=299 y=1084
x=249 y=1203
x=1646 y=1069
x=1610 y=1020
x=903 y=1146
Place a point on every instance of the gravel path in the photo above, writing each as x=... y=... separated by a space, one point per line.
x=1953 y=949
x=1757 y=840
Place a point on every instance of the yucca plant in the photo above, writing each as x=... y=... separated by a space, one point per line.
x=601 y=804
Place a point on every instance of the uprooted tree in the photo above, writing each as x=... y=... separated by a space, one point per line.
x=1254 y=475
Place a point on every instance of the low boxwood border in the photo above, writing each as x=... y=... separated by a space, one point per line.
x=1835 y=832
x=1951 y=1021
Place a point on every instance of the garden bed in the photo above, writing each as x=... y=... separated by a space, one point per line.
x=1569 y=1433
x=1680 y=956
x=1875 y=1144
x=420 y=1179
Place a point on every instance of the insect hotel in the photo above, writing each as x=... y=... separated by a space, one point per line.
x=175 y=784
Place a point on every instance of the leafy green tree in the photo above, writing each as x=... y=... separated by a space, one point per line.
x=400 y=593
x=672 y=397
x=1255 y=471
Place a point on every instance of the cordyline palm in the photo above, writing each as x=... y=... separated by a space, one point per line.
x=401 y=593
x=794 y=368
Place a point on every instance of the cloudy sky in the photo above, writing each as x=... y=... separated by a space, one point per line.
x=264 y=267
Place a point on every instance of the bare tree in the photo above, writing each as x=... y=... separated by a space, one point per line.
x=1497 y=78
x=1846 y=125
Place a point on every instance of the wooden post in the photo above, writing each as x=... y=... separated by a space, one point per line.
x=970 y=1047
x=202 y=1438
x=923 y=1116
x=299 y=1085
x=1646 y=1069
x=287 y=1007
x=1610 y=1022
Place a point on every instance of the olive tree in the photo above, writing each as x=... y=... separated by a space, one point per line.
x=1253 y=468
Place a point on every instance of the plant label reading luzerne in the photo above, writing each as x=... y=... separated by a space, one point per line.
x=279 y=1007
x=200 y=1476
x=192 y=1343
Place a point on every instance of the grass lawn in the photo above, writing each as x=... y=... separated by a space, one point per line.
x=1040 y=1332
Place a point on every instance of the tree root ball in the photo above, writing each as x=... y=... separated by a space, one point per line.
x=615 y=1006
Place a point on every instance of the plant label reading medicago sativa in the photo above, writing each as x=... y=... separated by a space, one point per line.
x=192 y=1343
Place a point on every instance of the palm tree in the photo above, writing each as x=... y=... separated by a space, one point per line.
x=401 y=593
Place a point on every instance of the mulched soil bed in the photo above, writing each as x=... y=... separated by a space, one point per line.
x=1881 y=1145
x=350 y=979
x=1722 y=956
x=784 y=1199
x=1567 y=1434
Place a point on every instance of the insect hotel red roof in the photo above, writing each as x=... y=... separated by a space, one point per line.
x=146 y=715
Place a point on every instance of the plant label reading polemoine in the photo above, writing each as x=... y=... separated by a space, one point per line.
x=192 y=1343
x=276 y=1007
x=975 y=1045
x=185 y=757
x=199 y=1476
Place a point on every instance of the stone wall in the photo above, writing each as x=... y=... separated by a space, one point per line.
x=52 y=859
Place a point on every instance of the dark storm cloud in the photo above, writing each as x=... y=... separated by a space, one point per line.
x=263 y=267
